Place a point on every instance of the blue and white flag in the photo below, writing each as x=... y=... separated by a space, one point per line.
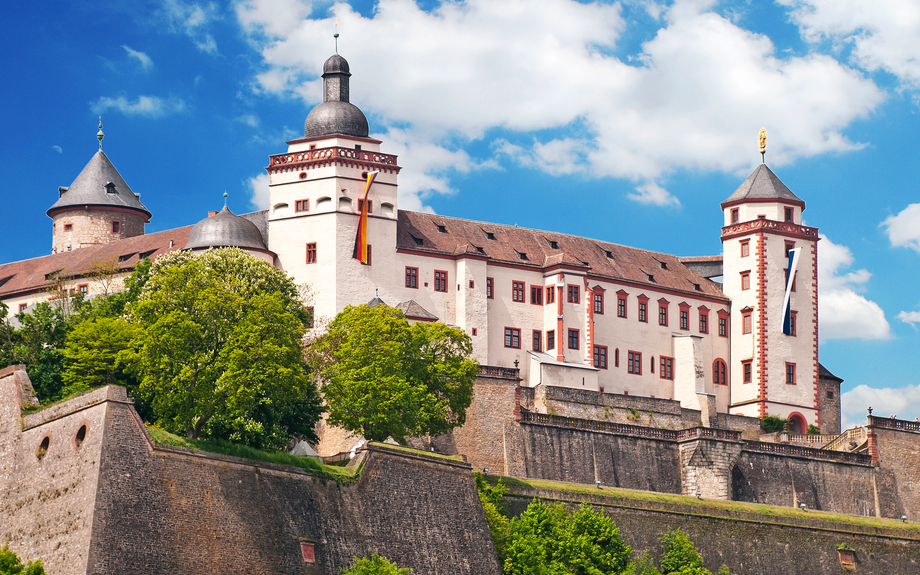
x=790 y=278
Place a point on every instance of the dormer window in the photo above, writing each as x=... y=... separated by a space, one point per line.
x=418 y=241
x=608 y=253
x=651 y=278
x=479 y=250
x=490 y=236
x=522 y=255
x=664 y=265
x=110 y=188
x=554 y=245
x=442 y=229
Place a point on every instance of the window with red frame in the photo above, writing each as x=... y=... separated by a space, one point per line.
x=370 y=206
x=599 y=302
x=684 y=319
x=22 y=307
x=723 y=323
x=517 y=291
x=794 y=276
x=616 y=357
x=573 y=339
x=704 y=320
x=489 y=287
x=302 y=206
x=311 y=253
x=745 y=280
x=735 y=215
x=634 y=362
x=83 y=288
x=513 y=337
x=651 y=364
x=600 y=356
x=536 y=295
x=412 y=277
x=574 y=295
x=550 y=294
x=788 y=213
x=746 y=322
x=790 y=373
x=789 y=246
x=550 y=340
x=537 y=340
x=370 y=251
x=116 y=227
x=662 y=314
x=719 y=372
x=747 y=368
x=745 y=248
x=643 y=312
x=792 y=322
x=621 y=306
x=68 y=227
x=666 y=368
x=440 y=280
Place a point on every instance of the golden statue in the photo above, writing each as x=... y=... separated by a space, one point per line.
x=762 y=140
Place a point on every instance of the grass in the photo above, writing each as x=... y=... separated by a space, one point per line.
x=626 y=496
x=30 y=409
x=343 y=475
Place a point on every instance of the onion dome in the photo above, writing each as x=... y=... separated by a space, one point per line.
x=225 y=230
x=99 y=184
x=336 y=115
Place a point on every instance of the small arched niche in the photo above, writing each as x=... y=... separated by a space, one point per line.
x=280 y=210
x=80 y=436
x=345 y=205
x=387 y=209
x=324 y=204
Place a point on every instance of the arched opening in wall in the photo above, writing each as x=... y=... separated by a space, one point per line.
x=42 y=450
x=797 y=423
x=345 y=205
x=280 y=209
x=387 y=209
x=80 y=437
x=324 y=204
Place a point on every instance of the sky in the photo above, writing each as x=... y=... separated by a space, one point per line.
x=622 y=121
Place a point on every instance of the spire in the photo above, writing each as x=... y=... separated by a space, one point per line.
x=762 y=141
x=99 y=134
x=225 y=199
x=336 y=36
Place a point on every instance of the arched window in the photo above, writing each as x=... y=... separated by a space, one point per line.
x=719 y=372
x=797 y=423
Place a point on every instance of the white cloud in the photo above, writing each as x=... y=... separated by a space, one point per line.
x=884 y=34
x=151 y=106
x=142 y=59
x=652 y=193
x=258 y=191
x=911 y=317
x=843 y=312
x=903 y=402
x=192 y=20
x=700 y=92
x=57 y=149
x=250 y=120
x=903 y=229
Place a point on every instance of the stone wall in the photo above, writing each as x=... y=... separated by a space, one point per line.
x=91 y=227
x=898 y=477
x=750 y=543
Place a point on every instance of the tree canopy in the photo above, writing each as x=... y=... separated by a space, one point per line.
x=375 y=565
x=11 y=564
x=219 y=349
x=383 y=377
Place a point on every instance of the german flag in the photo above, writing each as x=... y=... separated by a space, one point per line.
x=360 y=252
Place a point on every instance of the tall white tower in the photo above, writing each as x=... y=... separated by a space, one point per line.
x=314 y=194
x=771 y=372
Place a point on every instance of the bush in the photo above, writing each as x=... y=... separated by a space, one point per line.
x=10 y=564
x=772 y=424
x=375 y=565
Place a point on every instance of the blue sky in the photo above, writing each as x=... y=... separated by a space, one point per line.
x=627 y=122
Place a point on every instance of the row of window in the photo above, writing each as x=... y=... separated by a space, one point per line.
x=787 y=215
x=304 y=206
x=747 y=368
x=747 y=321
x=312 y=255
x=116 y=227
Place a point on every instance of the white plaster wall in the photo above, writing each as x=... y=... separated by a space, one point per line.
x=770 y=210
x=689 y=375
x=742 y=345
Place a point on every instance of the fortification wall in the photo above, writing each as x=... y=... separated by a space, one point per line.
x=749 y=543
x=898 y=477
x=787 y=481
x=580 y=456
x=46 y=496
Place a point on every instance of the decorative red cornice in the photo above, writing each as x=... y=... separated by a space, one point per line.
x=772 y=226
x=332 y=155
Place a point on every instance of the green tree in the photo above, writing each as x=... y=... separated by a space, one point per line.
x=772 y=424
x=219 y=345
x=11 y=564
x=6 y=337
x=383 y=377
x=374 y=565
x=95 y=350
x=643 y=565
x=496 y=516
x=679 y=555
x=38 y=344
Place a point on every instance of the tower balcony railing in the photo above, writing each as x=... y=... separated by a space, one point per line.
x=327 y=154
x=891 y=423
x=758 y=224
x=499 y=372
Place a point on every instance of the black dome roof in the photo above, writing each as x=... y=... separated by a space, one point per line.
x=225 y=230
x=336 y=117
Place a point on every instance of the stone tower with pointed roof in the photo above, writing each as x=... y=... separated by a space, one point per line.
x=771 y=372
x=315 y=194
x=97 y=208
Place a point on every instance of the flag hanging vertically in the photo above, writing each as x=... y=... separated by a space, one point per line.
x=790 y=278
x=360 y=252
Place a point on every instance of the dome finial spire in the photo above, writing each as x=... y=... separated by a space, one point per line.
x=336 y=36
x=225 y=199
x=762 y=141
x=99 y=134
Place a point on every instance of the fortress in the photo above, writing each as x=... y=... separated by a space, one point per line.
x=600 y=364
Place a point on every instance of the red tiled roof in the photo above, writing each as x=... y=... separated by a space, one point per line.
x=700 y=259
x=441 y=235
x=28 y=276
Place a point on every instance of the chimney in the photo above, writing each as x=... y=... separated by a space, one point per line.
x=212 y=214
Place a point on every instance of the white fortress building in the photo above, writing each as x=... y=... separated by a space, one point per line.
x=565 y=310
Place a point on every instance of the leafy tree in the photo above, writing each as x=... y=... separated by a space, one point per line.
x=642 y=566
x=772 y=424
x=813 y=429
x=679 y=555
x=496 y=516
x=11 y=564
x=386 y=378
x=6 y=337
x=38 y=345
x=95 y=350
x=375 y=565
x=219 y=346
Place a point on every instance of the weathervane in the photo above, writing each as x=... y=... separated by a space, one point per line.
x=225 y=199
x=336 y=36
x=762 y=140
x=100 y=135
